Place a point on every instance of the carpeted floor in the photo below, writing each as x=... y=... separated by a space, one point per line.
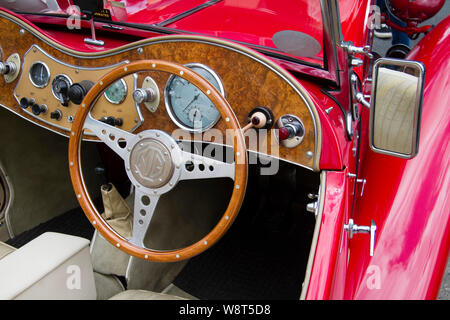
x=263 y=255
x=73 y=222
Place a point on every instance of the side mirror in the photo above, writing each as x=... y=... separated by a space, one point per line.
x=395 y=107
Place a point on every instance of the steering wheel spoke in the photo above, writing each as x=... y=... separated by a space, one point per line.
x=200 y=167
x=144 y=208
x=115 y=138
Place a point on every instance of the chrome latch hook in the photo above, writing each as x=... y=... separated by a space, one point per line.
x=353 y=228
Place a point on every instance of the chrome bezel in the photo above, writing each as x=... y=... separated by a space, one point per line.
x=64 y=76
x=294 y=141
x=124 y=96
x=169 y=107
x=31 y=78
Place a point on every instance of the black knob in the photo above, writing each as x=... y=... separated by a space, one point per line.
x=25 y=102
x=102 y=172
x=38 y=109
x=112 y=121
x=62 y=90
x=78 y=91
x=57 y=115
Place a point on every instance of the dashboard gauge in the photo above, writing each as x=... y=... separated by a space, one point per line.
x=116 y=92
x=188 y=107
x=39 y=74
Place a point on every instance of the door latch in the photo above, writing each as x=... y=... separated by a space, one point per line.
x=353 y=228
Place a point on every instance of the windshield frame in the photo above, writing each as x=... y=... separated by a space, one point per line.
x=332 y=39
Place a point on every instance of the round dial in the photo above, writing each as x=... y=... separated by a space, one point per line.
x=188 y=107
x=116 y=92
x=39 y=74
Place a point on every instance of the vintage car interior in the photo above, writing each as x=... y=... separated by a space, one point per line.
x=139 y=94
x=164 y=156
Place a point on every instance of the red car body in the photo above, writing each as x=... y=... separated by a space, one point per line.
x=408 y=199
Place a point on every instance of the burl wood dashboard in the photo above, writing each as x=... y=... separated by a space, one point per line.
x=248 y=80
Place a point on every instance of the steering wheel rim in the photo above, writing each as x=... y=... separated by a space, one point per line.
x=83 y=121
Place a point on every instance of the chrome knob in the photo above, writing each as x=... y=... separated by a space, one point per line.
x=7 y=68
x=141 y=95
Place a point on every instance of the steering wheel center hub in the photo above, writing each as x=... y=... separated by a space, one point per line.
x=151 y=163
x=154 y=162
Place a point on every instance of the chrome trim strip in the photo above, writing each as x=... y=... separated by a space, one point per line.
x=67 y=64
x=328 y=10
x=312 y=251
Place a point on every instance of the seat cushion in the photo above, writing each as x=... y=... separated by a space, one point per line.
x=52 y=266
x=143 y=295
x=5 y=249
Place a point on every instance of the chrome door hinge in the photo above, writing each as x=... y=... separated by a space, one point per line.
x=363 y=181
x=352 y=50
x=353 y=228
x=357 y=95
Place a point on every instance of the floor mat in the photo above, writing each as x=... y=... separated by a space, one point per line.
x=263 y=255
x=244 y=268
x=73 y=222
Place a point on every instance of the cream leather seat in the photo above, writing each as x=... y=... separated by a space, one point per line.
x=5 y=249
x=48 y=268
x=144 y=295
x=53 y=266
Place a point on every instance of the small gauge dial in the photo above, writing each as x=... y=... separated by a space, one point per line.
x=39 y=74
x=188 y=107
x=116 y=92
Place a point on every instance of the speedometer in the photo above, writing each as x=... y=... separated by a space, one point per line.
x=188 y=107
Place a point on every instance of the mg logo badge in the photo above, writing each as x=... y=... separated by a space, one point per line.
x=151 y=163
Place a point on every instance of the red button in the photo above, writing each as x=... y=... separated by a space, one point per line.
x=283 y=134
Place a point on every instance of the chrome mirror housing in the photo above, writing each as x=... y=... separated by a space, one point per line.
x=395 y=107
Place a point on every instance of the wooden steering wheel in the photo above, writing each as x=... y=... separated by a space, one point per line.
x=155 y=163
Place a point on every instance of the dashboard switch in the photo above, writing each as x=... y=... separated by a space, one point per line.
x=78 y=91
x=259 y=118
x=284 y=133
x=291 y=131
x=112 y=121
x=25 y=102
x=144 y=95
x=7 y=68
x=57 y=115
x=60 y=87
x=38 y=109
